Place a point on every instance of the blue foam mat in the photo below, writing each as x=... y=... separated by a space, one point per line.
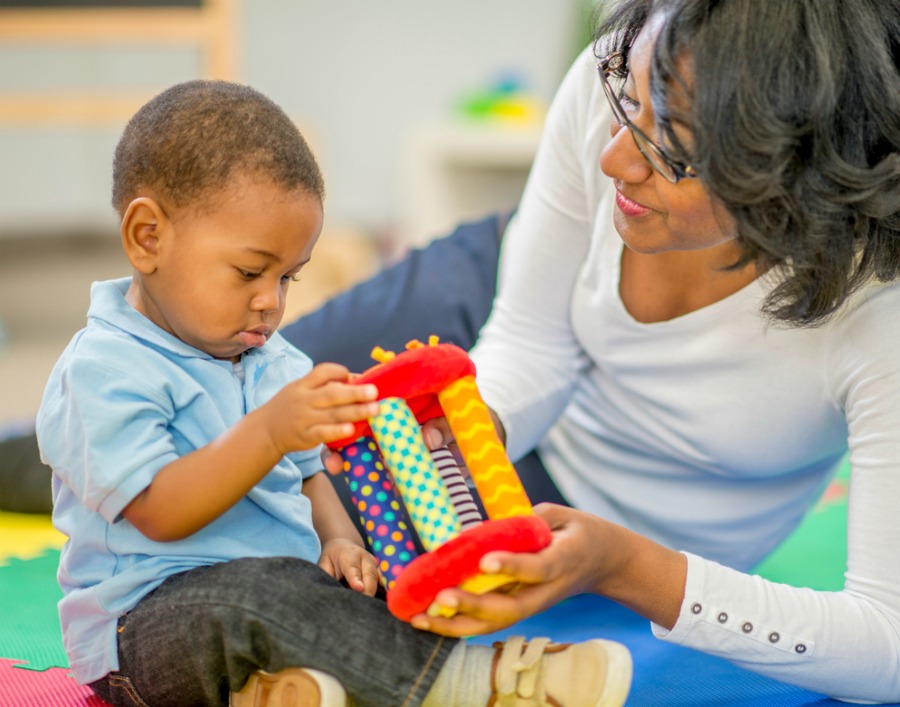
x=664 y=674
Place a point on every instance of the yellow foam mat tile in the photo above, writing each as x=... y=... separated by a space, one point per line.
x=25 y=536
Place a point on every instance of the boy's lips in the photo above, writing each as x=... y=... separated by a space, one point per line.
x=629 y=207
x=254 y=338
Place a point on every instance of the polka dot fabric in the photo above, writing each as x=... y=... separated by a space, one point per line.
x=380 y=509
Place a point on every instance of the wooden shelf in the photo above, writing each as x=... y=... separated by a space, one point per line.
x=210 y=27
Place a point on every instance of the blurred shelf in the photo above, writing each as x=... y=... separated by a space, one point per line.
x=457 y=171
x=208 y=25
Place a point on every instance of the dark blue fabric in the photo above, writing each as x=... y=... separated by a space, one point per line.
x=445 y=289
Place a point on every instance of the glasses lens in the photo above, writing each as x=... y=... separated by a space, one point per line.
x=613 y=101
x=652 y=154
x=645 y=146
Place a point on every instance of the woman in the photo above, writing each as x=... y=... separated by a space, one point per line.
x=698 y=318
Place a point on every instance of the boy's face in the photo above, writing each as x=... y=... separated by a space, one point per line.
x=221 y=275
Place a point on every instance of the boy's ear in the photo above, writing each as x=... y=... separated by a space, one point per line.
x=143 y=225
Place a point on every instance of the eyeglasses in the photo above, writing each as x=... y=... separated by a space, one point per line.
x=672 y=170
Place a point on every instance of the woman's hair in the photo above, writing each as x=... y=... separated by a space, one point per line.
x=185 y=144
x=794 y=114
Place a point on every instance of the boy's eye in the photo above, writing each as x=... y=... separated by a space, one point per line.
x=291 y=278
x=247 y=274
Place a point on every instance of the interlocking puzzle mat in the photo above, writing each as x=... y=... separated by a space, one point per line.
x=33 y=666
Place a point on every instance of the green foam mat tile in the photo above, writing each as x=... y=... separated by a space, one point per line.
x=30 y=632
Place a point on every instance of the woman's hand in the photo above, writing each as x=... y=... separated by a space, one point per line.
x=343 y=559
x=586 y=554
x=562 y=569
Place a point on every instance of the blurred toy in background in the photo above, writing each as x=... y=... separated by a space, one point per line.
x=507 y=100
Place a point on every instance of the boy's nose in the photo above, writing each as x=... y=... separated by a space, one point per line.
x=267 y=299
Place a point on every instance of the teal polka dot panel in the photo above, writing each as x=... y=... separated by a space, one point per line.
x=379 y=505
x=427 y=500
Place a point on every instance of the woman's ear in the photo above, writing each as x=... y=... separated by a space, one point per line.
x=143 y=225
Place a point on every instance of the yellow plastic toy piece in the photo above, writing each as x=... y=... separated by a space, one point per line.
x=479 y=584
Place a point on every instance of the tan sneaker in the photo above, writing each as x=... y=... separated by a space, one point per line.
x=291 y=687
x=595 y=673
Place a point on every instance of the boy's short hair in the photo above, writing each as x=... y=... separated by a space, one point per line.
x=187 y=142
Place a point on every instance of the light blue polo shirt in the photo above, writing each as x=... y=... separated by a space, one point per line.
x=125 y=399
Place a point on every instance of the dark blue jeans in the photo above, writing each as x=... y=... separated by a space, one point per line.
x=202 y=633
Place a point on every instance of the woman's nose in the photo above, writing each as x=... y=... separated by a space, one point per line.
x=621 y=158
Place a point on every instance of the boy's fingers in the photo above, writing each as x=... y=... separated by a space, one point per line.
x=323 y=373
x=326 y=564
x=353 y=575
x=371 y=580
x=333 y=462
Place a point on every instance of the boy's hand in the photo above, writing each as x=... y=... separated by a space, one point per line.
x=320 y=407
x=343 y=559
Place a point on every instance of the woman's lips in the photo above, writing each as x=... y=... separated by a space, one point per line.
x=629 y=207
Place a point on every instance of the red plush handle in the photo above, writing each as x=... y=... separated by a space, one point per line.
x=416 y=375
x=457 y=560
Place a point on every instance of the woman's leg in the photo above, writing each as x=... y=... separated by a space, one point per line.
x=24 y=479
x=537 y=482
x=201 y=634
x=445 y=289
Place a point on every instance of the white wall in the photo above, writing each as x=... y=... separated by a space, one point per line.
x=358 y=75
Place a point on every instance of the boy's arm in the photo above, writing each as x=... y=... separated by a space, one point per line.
x=192 y=491
x=329 y=517
x=344 y=555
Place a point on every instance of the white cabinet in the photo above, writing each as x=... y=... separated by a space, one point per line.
x=462 y=170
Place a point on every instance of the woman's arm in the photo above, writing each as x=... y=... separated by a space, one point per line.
x=543 y=250
x=587 y=555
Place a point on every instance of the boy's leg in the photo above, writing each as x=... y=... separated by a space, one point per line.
x=202 y=634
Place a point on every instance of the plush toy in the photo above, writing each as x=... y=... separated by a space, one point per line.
x=405 y=494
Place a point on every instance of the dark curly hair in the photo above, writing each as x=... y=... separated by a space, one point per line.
x=184 y=145
x=794 y=112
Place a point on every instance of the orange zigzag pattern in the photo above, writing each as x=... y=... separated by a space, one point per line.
x=494 y=475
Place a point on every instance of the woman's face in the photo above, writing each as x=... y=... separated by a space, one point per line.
x=653 y=215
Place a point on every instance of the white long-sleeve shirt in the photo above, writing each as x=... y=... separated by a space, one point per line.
x=711 y=433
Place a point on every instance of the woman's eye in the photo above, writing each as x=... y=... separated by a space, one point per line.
x=628 y=103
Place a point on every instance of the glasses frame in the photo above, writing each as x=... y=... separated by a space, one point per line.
x=672 y=170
